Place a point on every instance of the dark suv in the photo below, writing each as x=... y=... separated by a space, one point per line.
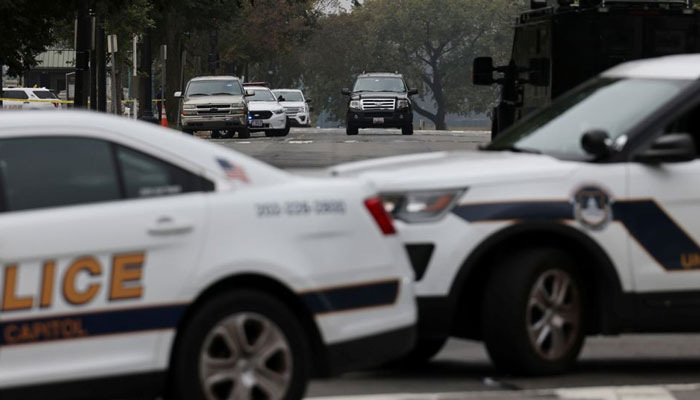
x=380 y=100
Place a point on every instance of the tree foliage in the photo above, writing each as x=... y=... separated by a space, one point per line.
x=431 y=41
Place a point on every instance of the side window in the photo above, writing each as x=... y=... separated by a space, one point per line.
x=43 y=172
x=147 y=176
x=15 y=94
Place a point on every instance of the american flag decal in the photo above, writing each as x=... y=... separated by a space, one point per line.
x=233 y=171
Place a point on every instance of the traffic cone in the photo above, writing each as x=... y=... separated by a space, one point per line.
x=163 y=115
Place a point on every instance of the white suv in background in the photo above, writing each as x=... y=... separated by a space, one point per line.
x=295 y=106
x=28 y=99
x=265 y=114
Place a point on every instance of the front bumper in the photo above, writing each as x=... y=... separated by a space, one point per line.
x=299 y=120
x=380 y=119
x=276 y=122
x=370 y=351
x=210 y=122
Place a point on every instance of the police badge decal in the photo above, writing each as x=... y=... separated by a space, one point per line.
x=592 y=208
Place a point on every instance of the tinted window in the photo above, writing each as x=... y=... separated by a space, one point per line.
x=146 y=176
x=262 y=95
x=379 y=84
x=52 y=172
x=289 y=96
x=44 y=94
x=15 y=94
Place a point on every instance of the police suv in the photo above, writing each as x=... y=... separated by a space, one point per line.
x=134 y=259
x=582 y=219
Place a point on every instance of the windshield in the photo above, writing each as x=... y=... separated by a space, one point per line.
x=601 y=104
x=262 y=95
x=214 y=87
x=289 y=95
x=379 y=84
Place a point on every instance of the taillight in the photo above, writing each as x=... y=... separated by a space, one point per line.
x=375 y=205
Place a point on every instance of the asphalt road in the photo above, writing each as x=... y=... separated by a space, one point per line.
x=649 y=363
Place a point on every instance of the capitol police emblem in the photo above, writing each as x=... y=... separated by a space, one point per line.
x=592 y=207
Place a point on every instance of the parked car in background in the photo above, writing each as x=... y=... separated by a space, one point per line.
x=29 y=99
x=265 y=113
x=295 y=106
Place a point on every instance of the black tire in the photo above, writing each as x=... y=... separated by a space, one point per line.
x=407 y=130
x=282 y=132
x=352 y=130
x=511 y=311
x=270 y=133
x=229 y=134
x=244 y=133
x=236 y=309
x=423 y=351
x=215 y=134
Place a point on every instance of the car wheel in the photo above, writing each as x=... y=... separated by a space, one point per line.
x=215 y=134
x=241 y=345
x=228 y=134
x=269 y=133
x=243 y=133
x=407 y=130
x=352 y=130
x=423 y=351
x=283 y=132
x=533 y=313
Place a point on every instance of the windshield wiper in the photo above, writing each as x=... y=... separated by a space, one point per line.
x=223 y=94
x=197 y=94
x=513 y=149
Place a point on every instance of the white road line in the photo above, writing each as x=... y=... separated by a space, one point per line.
x=300 y=141
x=660 y=392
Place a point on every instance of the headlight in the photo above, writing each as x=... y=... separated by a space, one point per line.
x=424 y=206
x=189 y=107
x=238 y=105
x=402 y=104
x=355 y=105
x=280 y=111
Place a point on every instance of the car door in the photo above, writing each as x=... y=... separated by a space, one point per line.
x=662 y=217
x=96 y=241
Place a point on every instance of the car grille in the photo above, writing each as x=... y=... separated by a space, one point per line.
x=261 y=114
x=378 y=104
x=292 y=110
x=217 y=109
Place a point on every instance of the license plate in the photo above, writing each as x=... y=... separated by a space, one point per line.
x=377 y=120
x=256 y=122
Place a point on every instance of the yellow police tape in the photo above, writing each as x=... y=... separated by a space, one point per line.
x=62 y=101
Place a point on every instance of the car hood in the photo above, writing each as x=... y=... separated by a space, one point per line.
x=263 y=105
x=299 y=104
x=438 y=170
x=207 y=100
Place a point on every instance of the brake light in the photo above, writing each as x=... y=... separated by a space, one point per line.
x=375 y=206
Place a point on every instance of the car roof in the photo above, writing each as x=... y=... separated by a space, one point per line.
x=214 y=77
x=380 y=74
x=25 y=88
x=258 y=88
x=686 y=67
x=287 y=90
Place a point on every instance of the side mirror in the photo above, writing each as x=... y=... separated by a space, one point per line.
x=674 y=147
x=482 y=71
x=308 y=100
x=539 y=72
x=596 y=143
x=345 y=91
x=412 y=92
x=177 y=95
x=311 y=108
x=249 y=93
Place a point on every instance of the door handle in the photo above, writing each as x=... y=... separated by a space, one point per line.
x=166 y=226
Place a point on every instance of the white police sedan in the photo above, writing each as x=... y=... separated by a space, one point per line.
x=134 y=259
x=582 y=219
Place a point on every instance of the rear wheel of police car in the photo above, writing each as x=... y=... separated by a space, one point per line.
x=241 y=345
x=533 y=313
x=351 y=130
x=215 y=134
x=407 y=130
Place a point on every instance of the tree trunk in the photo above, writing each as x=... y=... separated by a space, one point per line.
x=172 y=79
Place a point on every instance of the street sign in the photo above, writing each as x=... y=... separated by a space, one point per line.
x=112 y=44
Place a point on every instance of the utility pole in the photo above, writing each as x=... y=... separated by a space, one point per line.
x=113 y=48
x=146 y=80
x=82 y=50
x=101 y=67
x=93 y=61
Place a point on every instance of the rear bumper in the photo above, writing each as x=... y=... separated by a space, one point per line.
x=383 y=119
x=207 y=123
x=370 y=351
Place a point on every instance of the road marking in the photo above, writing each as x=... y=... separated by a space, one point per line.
x=661 y=392
x=351 y=141
x=243 y=142
x=300 y=141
